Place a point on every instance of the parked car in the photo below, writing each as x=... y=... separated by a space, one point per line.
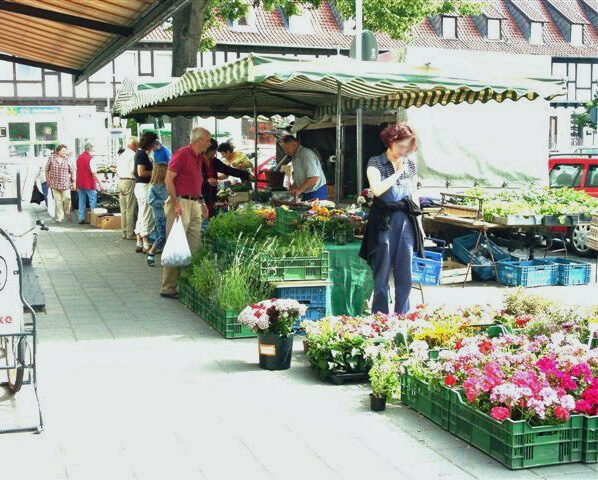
x=578 y=171
x=266 y=161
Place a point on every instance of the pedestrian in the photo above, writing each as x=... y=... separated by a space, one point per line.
x=143 y=173
x=156 y=197
x=309 y=180
x=184 y=181
x=393 y=231
x=161 y=153
x=87 y=181
x=41 y=180
x=211 y=168
x=60 y=177
x=125 y=169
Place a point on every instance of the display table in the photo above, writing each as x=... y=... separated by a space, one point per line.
x=351 y=279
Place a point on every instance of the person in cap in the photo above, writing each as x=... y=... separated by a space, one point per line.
x=156 y=197
x=161 y=153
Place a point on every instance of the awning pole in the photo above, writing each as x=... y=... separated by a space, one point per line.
x=255 y=161
x=359 y=118
x=337 y=165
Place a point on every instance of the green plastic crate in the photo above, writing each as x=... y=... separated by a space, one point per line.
x=286 y=220
x=516 y=444
x=433 y=404
x=295 y=268
x=590 y=440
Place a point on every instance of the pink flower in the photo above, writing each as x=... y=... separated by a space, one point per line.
x=546 y=365
x=566 y=381
x=583 y=406
x=500 y=413
x=581 y=370
x=561 y=413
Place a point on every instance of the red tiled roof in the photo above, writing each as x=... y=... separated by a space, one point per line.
x=271 y=30
x=569 y=9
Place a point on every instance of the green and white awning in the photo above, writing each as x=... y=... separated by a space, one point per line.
x=290 y=86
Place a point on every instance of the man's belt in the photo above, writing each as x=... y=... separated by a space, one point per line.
x=195 y=198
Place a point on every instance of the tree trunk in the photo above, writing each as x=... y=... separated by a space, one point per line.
x=187 y=25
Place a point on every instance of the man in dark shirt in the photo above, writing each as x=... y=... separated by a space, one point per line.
x=183 y=182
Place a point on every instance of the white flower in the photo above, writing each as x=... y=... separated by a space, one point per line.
x=568 y=402
x=557 y=338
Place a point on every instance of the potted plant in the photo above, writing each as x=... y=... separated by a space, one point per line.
x=273 y=321
x=385 y=381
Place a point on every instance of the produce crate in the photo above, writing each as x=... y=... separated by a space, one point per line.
x=516 y=444
x=590 y=440
x=286 y=220
x=315 y=295
x=528 y=273
x=463 y=248
x=571 y=272
x=296 y=268
x=225 y=322
x=514 y=220
x=560 y=220
x=426 y=271
x=454 y=272
x=431 y=403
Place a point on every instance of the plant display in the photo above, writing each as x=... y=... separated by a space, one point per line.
x=231 y=225
x=385 y=377
x=332 y=222
x=275 y=316
x=267 y=213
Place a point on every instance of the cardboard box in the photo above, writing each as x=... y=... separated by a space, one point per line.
x=110 y=222
x=95 y=219
x=238 y=197
x=454 y=272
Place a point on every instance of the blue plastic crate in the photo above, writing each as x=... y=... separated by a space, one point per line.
x=315 y=297
x=426 y=271
x=572 y=272
x=462 y=251
x=528 y=273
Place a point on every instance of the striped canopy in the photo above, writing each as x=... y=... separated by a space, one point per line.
x=289 y=86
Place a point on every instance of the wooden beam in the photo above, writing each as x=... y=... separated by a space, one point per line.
x=33 y=63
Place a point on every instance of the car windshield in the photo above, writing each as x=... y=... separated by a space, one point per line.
x=566 y=175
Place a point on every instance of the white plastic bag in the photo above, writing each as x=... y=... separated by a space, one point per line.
x=176 y=252
x=51 y=206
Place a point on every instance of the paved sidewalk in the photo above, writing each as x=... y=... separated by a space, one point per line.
x=134 y=386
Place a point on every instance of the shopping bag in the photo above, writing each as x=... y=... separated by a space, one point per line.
x=176 y=252
x=51 y=206
x=36 y=195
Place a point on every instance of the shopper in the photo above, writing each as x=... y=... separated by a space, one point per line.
x=125 y=169
x=211 y=168
x=161 y=153
x=309 y=180
x=393 y=231
x=233 y=158
x=40 y=180
x=183 y=182
x=143 y=173
x=87 y=181
x=156 y=197
x=60 y=177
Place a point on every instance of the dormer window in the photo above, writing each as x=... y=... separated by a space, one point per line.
x=536 y=33
x=449 y=27
x=245 y=23
x=576 y=34
x=494 y=30
x=349 y=26
x=301 y=23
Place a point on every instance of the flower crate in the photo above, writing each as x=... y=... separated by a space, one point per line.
x=295 y=268
x=463 y=248
x=527 y=273
x=516 y=444
x=590 y=440
x=286 y=220
x=433 y=404
x=426 y=271
x=315 y=295
x=515 y=220
x=571 y=272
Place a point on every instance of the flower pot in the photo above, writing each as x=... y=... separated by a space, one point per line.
x=305 y=346
x=377 y=404
x=275 y=351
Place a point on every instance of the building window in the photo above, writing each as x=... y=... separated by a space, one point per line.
x=100 y=90
x=25 y=72
x=18 y=132
x=245 y=23
x=66 y=85
x=163 y=64
x=6 y=72
x=29 y=89
x=494 y=29
x=7 y=89
x=145 y=63
x=51 y=84
x=536 y=33
x=301 y=23
x=125 y=66
x=584 y=75
x=349 y=26
x=553 y=133
x=449 y=27
x=576 y=34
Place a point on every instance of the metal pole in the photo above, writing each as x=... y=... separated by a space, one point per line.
x=337 y=165
x=359 y=118
x=255 y=162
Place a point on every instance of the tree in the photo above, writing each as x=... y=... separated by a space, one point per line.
x=582 y=120
x=190 y=24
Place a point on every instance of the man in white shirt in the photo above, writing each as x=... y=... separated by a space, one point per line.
x=125 y=165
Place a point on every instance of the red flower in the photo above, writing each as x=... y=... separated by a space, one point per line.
x=485 y=346
x=450 y=380
x=561 y=413
x=459 y=344
x=583 y=406
x=522 y=320
x=500 y=413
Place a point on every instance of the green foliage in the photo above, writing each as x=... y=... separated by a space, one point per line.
x=231 y=225
x=385 y=378
x=520 y=302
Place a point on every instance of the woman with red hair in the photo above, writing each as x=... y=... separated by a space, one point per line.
x=393 y=231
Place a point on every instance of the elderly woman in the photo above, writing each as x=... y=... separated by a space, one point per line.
x=143 y=174
x=393 y=231
x=60 y=177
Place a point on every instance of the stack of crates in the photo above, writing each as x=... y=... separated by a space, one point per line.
x=313 y=294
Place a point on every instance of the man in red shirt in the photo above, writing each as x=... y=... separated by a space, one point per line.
x=183 y=183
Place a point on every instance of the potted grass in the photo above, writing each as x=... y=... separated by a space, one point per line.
x=273 y=321
x=385 y=382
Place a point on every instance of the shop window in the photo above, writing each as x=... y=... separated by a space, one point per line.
x=494 y=29
x=566 y=176
x=536 y=35
x=449 y=27
x=576 y=34
x=18 y=132
x=19 y=150
x=25 y=72
x=6 y=72
x=145 y=63
x=162 y=65
x=44 y=149
x=46 y=131
x=29 y=89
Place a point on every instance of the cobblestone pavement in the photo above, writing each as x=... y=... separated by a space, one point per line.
x=134 y=386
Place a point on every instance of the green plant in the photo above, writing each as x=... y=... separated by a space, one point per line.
x=385 y=378
x=519 y=302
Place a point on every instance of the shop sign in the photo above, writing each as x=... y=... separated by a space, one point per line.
x=30 y=110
